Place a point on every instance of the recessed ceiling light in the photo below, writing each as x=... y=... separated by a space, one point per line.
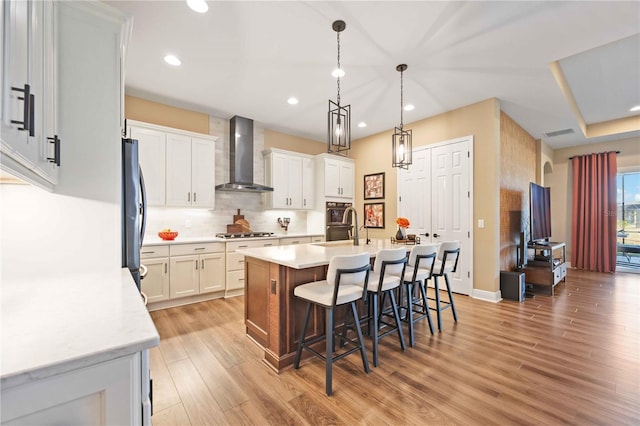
x=338 y=72
x=292 y=101
x=172 y=60
x=409 y=107
x=635 y=108
x=362 y=124
x=199 y=6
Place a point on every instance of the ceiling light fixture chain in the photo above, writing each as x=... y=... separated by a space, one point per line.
x=338 y=38
x=401 y=92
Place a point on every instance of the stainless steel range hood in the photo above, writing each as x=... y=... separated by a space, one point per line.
x=241 y=158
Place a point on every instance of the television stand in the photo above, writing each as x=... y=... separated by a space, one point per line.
x=546 y=264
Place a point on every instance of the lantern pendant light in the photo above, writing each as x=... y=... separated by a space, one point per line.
x=402 y=147
x=339 y=116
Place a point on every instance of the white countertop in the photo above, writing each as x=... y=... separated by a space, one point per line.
x=54 y=325
x=156 y=241
x=316 y=254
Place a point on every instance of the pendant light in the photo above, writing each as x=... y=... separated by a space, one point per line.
x=402 y=149
x=339 y=117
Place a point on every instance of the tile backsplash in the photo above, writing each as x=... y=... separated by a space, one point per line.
x=207 y=223
x=190 y=222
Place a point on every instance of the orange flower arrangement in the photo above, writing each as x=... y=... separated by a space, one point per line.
x=402 y=222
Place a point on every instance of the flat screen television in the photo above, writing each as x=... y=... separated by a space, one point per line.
x=539 y=213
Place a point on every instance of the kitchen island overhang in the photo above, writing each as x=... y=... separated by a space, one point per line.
x=273 y=315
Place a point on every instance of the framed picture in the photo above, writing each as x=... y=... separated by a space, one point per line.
x=374 y=215
x=374 y=186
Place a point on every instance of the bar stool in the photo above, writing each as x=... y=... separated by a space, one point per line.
x=418 y=272
x=448 y=255
x=388 y=271
x=346 y=277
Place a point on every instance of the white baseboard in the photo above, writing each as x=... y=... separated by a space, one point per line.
x=487 y=296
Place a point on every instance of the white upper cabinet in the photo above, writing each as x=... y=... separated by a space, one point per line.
x=152 y=154
x=178 y=166
x=287 y=173
x=29 y=123
x=178 y=170
x=203 y=179
x=339 y=175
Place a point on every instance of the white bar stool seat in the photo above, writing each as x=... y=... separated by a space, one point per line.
x=346 y=278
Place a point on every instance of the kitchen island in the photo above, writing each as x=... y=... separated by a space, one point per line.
x=273 y=315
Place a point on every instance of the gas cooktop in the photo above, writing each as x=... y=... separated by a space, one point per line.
x=229 y=236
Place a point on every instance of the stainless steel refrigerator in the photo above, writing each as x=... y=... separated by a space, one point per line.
x=134 y=208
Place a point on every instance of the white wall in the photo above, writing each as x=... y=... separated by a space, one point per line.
x=44 y=234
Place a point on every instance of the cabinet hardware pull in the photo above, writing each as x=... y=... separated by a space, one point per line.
x=26 y=110
x=32 y=102
x=202 y=264
x=245 y=246
x=273 y=286
x=196 y=265
x=148 y=252
x=436 y=235
x=199 y=248
x=240 y=279
x=56 y=150
x=188 y=196
x=295 y=242
x=304 y=202
x=194 y=197
x=426 y=234
x=166 y=269
x=268 y=245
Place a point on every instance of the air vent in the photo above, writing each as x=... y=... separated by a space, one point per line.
x=559 y=133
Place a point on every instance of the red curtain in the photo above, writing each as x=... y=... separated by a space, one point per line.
x=593 y=239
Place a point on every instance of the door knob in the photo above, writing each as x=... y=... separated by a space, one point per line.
x=436 y=235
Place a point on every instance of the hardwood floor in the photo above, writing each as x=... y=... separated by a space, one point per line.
x=572 y=358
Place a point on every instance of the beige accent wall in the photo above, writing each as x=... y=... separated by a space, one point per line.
x=517 y=168
x=165 y=115
x=482 y=120
x=273 y=139
x=561 y=182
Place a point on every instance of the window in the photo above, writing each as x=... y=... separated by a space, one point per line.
x=628 y=214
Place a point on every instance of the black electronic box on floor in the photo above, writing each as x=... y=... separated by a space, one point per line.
x=512 y=285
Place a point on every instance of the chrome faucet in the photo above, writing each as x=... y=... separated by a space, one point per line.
x=356 y=242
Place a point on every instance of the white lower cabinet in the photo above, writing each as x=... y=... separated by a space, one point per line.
x=196 y=269
x=155 y=285
x=235 y=263
x=108 y=393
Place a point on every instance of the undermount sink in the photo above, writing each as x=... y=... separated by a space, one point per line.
x=334 y=243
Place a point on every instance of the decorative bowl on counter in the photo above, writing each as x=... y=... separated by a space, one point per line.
x=167 y=235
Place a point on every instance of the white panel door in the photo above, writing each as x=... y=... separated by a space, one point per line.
x=434 y=194
x=415 y=194
x=151 y=153
x=178 y=170
x=203 y=179
x=450 y=165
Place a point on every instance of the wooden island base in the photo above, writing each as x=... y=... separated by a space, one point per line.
x=273 y=315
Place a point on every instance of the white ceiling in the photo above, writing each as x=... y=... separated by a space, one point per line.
x=248 y=57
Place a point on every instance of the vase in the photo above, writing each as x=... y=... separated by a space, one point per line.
x=401 y=234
